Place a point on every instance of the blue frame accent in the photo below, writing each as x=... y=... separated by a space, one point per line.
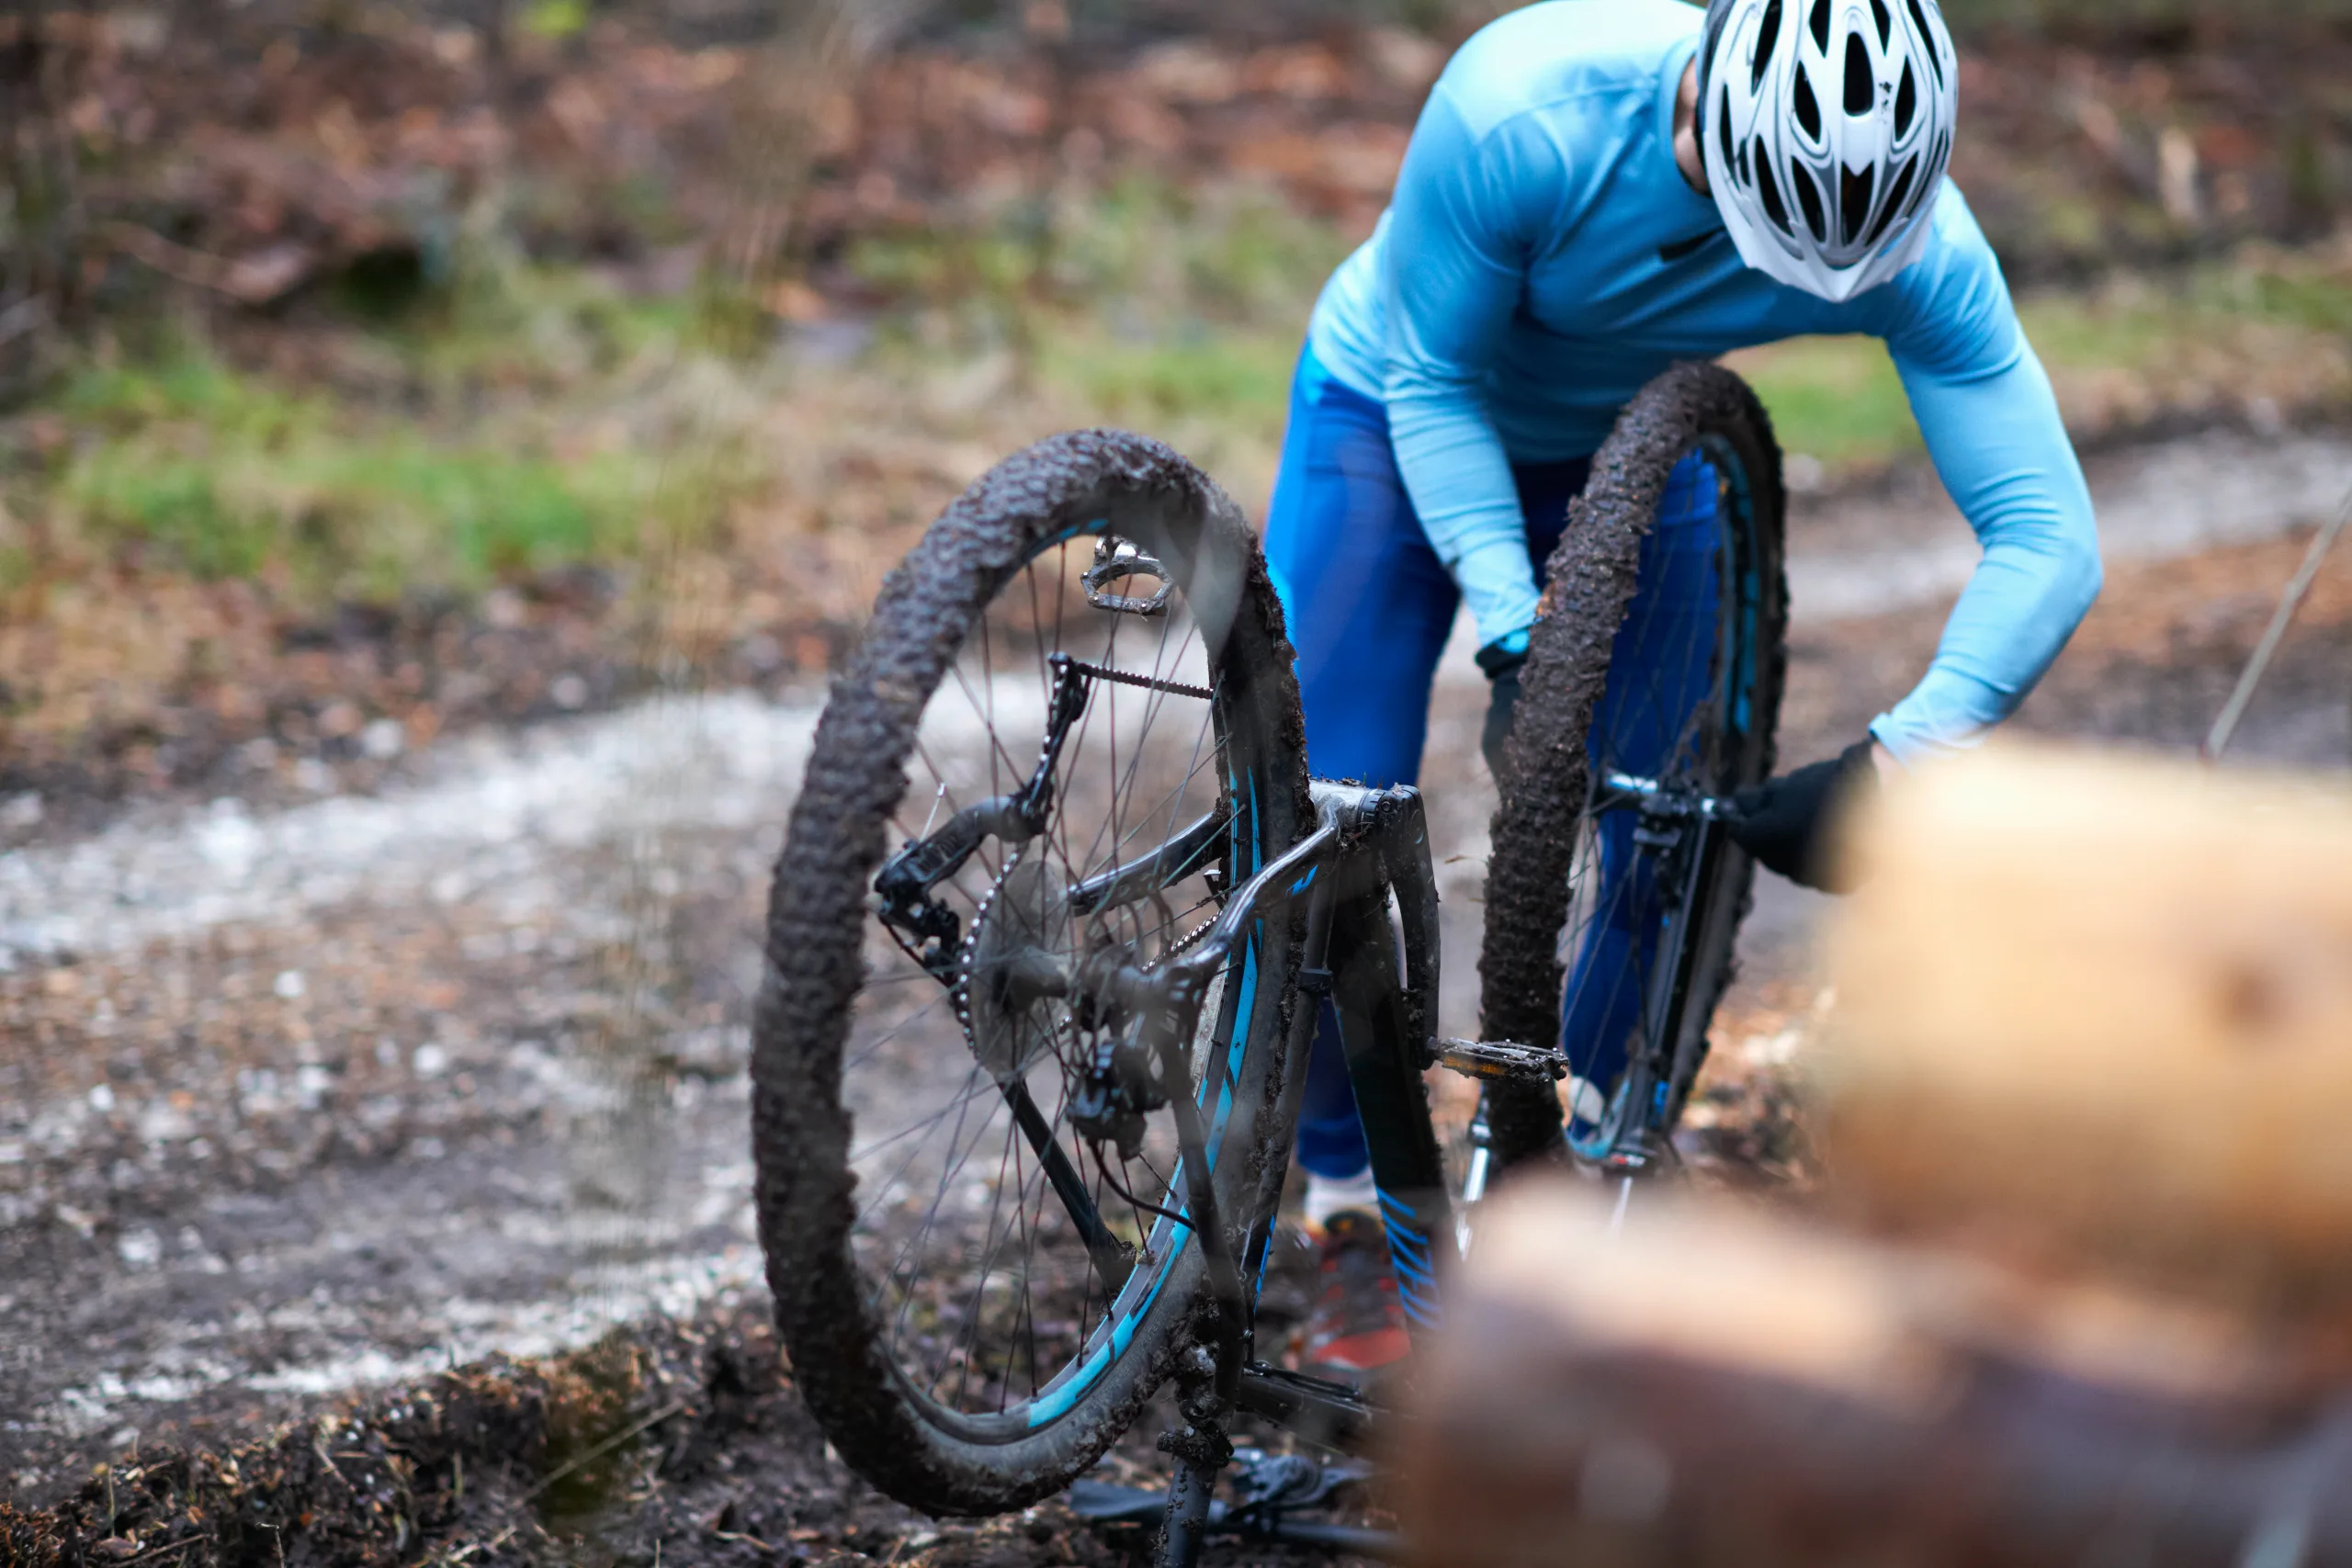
x=1058 y=1398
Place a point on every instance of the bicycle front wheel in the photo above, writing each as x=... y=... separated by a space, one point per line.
x=1072 y=724
x=1658 y=655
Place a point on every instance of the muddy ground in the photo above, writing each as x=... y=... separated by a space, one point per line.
x=375 y=1111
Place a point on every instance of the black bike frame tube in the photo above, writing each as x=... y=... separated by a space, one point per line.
x=1112 y=1263
x=1384 y=1065
x=1180 y=856
x=1711 y=848
x=1299 y=1042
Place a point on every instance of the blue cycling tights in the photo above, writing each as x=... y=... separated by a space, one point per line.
x=1370 y=608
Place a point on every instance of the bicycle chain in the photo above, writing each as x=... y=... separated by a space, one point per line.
x=1149 y=683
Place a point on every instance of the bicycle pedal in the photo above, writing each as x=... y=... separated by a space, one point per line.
x=1501 y=1061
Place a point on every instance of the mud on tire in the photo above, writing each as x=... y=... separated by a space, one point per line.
x=892 y=1431
x=1590 y=583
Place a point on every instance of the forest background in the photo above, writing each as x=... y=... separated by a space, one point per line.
x=371 y=370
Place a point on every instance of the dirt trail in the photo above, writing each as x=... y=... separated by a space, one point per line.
x=306 y=1101
x=329 y=1096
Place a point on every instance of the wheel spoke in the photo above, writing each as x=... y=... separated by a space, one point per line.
x=989 y=1250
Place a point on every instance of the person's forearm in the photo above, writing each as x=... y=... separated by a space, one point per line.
x=1455 y=468
x=1455 y=263
x=2025 y=601
x=2002 y=451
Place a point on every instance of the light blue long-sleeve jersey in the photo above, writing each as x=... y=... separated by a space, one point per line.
x=1543 y=258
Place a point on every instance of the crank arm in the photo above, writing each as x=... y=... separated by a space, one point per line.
x=1107 y=1503
x=1329 y=1414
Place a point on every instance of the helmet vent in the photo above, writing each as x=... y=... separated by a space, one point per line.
x=1821 y=25
x=1886 y=24
x=1862 y=87
x=1722 y=129
x=1769 y=189
x=1927 y=41
x=1853 y=201
x=1907 y=103
x=1809 y=198
x=1897 y=195
x=1768 y=33
x=1808 y=107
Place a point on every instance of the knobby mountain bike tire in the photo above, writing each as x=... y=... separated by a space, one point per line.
x=1545 y=842
x=966 y=1341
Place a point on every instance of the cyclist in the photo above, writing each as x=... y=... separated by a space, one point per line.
x=1597 y=188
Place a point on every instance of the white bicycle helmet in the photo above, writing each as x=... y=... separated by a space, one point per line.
x=1826 y=127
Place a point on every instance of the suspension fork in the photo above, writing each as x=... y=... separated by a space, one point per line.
x=1688 y=832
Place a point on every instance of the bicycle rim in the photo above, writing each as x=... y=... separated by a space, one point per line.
x=1701 y=684
x=995 y=1314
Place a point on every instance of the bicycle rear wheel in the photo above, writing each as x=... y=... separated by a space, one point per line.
x=975 y=1298
x=1584 y=898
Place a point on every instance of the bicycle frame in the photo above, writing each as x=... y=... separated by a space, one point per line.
x=1369 y=847
x=1369 y=857
x=1363 y=883
x=1368 y=854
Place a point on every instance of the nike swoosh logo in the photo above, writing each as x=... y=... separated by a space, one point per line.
x=1670 y=254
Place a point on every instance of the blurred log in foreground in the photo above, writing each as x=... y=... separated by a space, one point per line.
x=1717 y=1386
x=2090 y=1084
x=2097 y=1015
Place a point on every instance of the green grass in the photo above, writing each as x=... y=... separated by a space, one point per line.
x=503 y=321
x=221 y=475
x=514 y=420
x=1175 y=311
x=1836 y=400
x=1190 y=320
x=1181 y=313
x=1144 y=301
x=1242 y=379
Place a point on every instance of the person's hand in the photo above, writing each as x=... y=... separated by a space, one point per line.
x=1789 y=823
x=1502 y=661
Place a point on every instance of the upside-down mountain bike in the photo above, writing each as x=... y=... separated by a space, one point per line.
x=1058 y=903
